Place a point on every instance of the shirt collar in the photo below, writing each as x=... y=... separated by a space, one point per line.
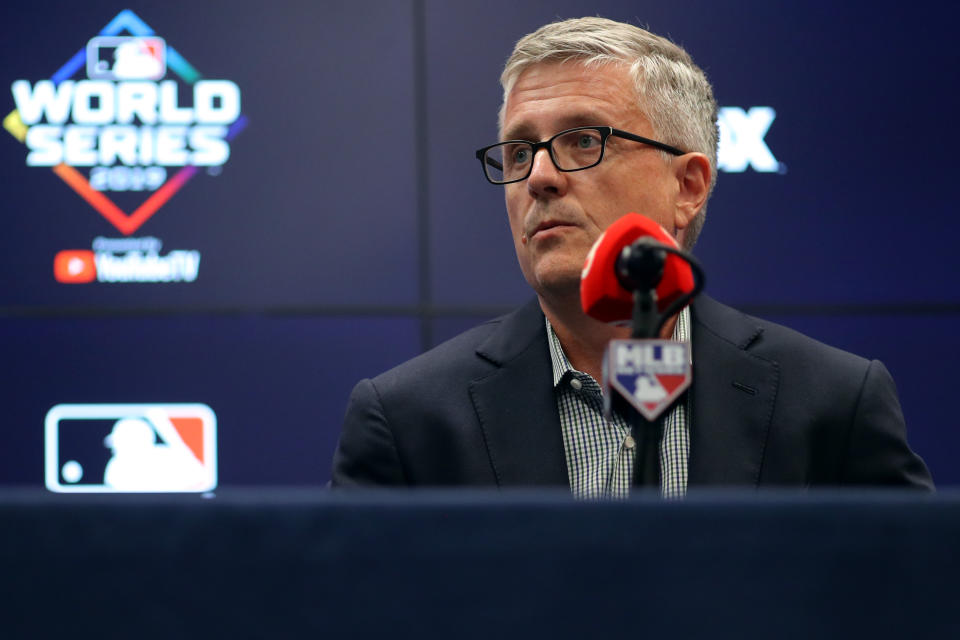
x=557 y=357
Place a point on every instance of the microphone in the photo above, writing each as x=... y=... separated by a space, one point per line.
x=617 y=265
x=631 y=258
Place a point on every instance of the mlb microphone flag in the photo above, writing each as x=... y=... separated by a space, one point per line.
x=649 y=374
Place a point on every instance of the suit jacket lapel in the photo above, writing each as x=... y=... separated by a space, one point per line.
x=516 y=406
x=734 y=393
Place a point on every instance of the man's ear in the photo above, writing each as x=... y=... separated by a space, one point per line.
x=693 y=181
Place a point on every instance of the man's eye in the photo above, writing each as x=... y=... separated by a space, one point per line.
x=586 y=141
x=520 y=156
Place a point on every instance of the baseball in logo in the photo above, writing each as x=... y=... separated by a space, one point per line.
x=649 y=374
x=126 y=123
x=130 y=448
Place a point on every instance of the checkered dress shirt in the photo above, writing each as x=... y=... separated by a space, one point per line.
x=600 y=455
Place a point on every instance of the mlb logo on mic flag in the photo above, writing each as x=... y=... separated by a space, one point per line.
x=649 y=374
x=130 y=448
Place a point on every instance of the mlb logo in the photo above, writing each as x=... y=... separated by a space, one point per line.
x=126 y=58
x=649 y=374
x=130 y=448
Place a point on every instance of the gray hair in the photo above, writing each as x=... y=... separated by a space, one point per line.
x=674 y=93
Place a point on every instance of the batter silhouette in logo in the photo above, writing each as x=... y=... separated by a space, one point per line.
x=649 y=389
x=141 y=463
x=134 y=60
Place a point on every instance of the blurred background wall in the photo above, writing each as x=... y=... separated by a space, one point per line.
x=261 y=257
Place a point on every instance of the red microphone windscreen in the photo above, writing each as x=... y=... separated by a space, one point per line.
x=601 y=294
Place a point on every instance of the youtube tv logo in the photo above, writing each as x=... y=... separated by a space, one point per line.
x=74 y=266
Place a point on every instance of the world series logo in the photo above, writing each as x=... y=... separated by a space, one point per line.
x=126 y=115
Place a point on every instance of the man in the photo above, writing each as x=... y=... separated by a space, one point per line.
x=616 y=120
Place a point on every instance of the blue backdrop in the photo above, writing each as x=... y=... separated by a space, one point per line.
x=351 y=227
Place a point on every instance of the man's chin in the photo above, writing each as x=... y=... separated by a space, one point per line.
x=556 y=283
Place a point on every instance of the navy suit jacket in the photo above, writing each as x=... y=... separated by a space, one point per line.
x=769 y=407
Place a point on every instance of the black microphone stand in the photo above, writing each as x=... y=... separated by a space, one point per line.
x=640 y=269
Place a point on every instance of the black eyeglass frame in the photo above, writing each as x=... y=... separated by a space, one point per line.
x=605 y=132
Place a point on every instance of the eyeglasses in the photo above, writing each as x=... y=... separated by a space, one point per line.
x=571 y=150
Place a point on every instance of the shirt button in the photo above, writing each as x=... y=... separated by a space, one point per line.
x=576 y=384
x=629 y=443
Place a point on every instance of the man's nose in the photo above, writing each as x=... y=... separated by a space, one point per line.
x=545 y=180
